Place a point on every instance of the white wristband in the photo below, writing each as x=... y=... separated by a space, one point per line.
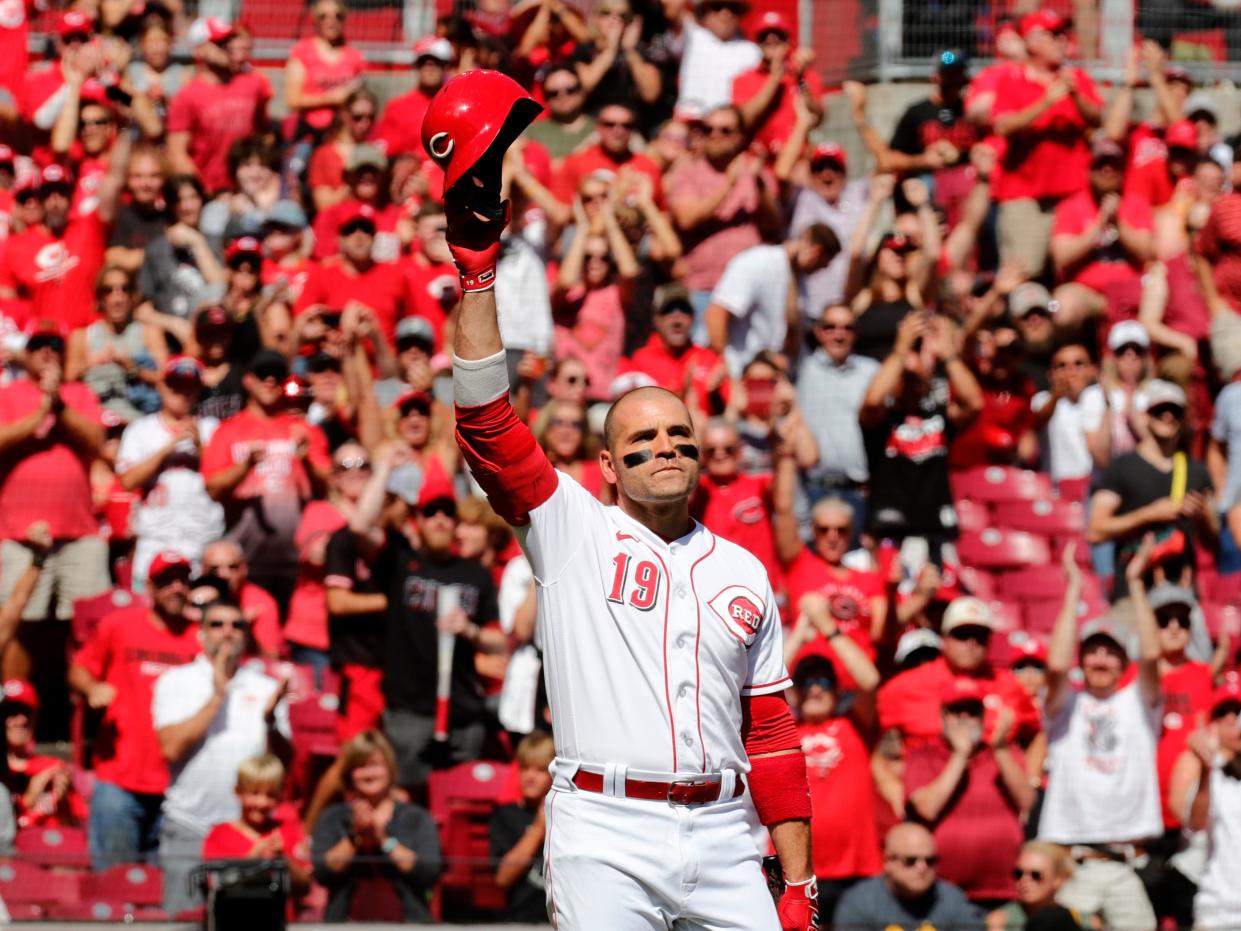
x=479 y=381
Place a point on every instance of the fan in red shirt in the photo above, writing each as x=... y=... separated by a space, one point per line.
x=354 y=275
x=283 y=256
x=52 y=267
x=857 y=599
x=115 y=670
x=14 y=42
x=263 y=465
x=845 y=835
x=1100 y=240
x=367 y=179
x=1002 y=433
x=909 y=704
x=218 y=106
x=765 y=93
x=430 y=276
x=266 y=829
x=75 y=50
x=400 y=128
x=672 y=361
x=1044 y=110
x=606 y=158
x=41 y=786
x=322 y=71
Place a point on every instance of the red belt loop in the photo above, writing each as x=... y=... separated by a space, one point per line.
x=678 y=792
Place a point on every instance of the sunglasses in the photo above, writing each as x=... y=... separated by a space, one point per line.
x=551 y=93
x=822 y=682
x=594 y=198
x=1020 y=874
x=912 y=861
x=230 y=566
x=415 y=408
x=361 y=117
x=722 y=130
x=719 y=450
x=112 y=289
x=1029 y=664
x=360 y=226
x=173 y=577
x=566 y=422
x=270 y=374
x=842 y=327
x=842 y=529
x=74 y=38
x=972 y=708
x=977 y=634
x=1167 y=620
x=1159 y=411
x=239 y=624
x=616 y=124
x=353 y=464
x=436 y=508
x=102 y=121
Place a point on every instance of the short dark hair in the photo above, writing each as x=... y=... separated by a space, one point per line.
x=824 y=237
x=250 y=147
x=228 y=602
x=558 y=69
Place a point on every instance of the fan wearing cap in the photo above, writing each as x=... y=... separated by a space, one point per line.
x=115 y=671
x=1126 y=369
x=50 y=430
x=41 y=786
x=765 y=93
x=1100 y=239
x=967 y=628
x=1103 y=792
x=263 y=465
x=366 y=185
x=965 y=785
x=1207 y=786
x=1044 y=109
x=322 y=71
x=400 y=127
x=219 y=105
x=53 y=266
x=40 y=90
x=1158 y=488
x=429 y=272
x=835 y=724
x=670 y=358
x=615 y=126
x=286 y=268
x=714 y=52
x=159 y=458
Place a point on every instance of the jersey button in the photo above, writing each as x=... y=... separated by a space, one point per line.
x=682 y=640
x=688 y=738
x=682 y=691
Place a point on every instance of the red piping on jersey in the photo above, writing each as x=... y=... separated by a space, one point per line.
x=697 y=646
x=763 y=685
x=672 y=721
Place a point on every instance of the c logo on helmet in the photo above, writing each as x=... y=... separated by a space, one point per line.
x=440 y=146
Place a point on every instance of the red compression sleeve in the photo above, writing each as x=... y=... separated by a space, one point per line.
x=505 y=459
x=777 y=783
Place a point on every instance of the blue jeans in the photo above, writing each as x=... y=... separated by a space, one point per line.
x=318 y=660
x=124 y=826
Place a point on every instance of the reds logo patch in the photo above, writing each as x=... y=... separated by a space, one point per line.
x=741 y=610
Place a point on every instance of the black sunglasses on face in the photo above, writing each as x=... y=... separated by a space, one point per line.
x=980 y=635
x=1167 y=620
x=436 y=508
x=238 y=624
x=551 y=93
x=1020 y=874
x=912 y=861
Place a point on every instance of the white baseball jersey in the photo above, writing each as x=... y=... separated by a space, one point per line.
x=648 y=645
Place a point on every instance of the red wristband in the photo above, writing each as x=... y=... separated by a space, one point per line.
x=480 y=280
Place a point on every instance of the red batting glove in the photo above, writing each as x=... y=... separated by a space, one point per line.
x=798 y=908
x=474 y=243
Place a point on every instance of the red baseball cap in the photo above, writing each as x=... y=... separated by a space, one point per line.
x=20 y=692
x=245 y=245
x=354 y=211
x=55 y=176
x=828 y=152
x=1048 y=20
x=410 y=398
x=771 y=21
x=74 y=23
x=962 y=689
x=183 y=367
x=1229 y=691
x=1181 y=135
x=166 y=562
x=208 y=29
x=1029 y=649
x=436 y=490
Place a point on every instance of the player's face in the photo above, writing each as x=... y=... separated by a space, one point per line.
x=654 y=459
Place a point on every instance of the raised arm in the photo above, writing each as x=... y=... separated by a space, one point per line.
x=1063 y=635
x=1144 y=618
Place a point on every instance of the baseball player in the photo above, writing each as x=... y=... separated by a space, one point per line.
x=661 y=642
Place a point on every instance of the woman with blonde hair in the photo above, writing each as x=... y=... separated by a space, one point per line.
x=1041 y=869
x=378 y=856
x=563 y=431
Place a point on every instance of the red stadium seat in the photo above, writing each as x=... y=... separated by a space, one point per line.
x=972 y=516
x=53 y=846
x=999 y=483
x=1222 y=617
x=978 y=582
x=1042 y=583
x=1002 y=549
x=461 y=799
x=23 y=883
x=1048 y=517
x=130 y=884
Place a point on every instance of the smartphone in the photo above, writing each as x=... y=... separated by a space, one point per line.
x=331 y=319
x=113 y=92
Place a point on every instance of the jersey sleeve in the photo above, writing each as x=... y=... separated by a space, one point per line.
x=558 y=527
x=765 y=670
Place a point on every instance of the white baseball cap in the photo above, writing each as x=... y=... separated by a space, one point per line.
x=967 y=611
x=1128 y=332
x=208 y=29
x=1159 y=392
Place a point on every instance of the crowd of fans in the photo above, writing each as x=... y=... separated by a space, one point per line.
x=226 y=400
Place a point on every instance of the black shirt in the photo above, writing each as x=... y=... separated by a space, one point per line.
x=875 y=329
x=357 y=639
x=137 y=226
x=224 y=399
x=926 y=123
x=526 y=898
x=413 y=583
x=1138 y=483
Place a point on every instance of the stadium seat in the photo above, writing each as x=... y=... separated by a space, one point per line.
x=461 y=800
x=972 y=516
x=23 y=883
x=1002 y=549
x=53 y=846
x=978 y=582
x=1048 y=517
x=1041 y=583
x=131 y=884
x=987 y=484
x=87 y=613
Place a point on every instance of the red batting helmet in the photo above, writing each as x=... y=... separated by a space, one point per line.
x=474 y=116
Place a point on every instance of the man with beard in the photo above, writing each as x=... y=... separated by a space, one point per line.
x=1103 y=795
x=209 y=716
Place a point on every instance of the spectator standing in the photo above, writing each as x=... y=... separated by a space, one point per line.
x=210 y=715
x=400 y=127
x=218 y=106
x=377 y=855
x=836 y=738
x=1156 y=488
x=322 y=72
x=713 y=54
x=178 y=264
x=115 y=670
x=755 y=304
x=972 y=793
x=765 y=94
x=671 y=359
x=909 y=895
x=614 y=126
x=50 y=430
x=568 y=125
x=518 y=830
x=1003 y=430
x=263 y=464
x=224 y=564
x=141 y=217
x=41 y=786
x=159 y=458
x=1044 y=109
x=1103 y=793
x=1031 y=308
x=722 y=203
x=354 y=124
x=611 y=66
x=1073 y=415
